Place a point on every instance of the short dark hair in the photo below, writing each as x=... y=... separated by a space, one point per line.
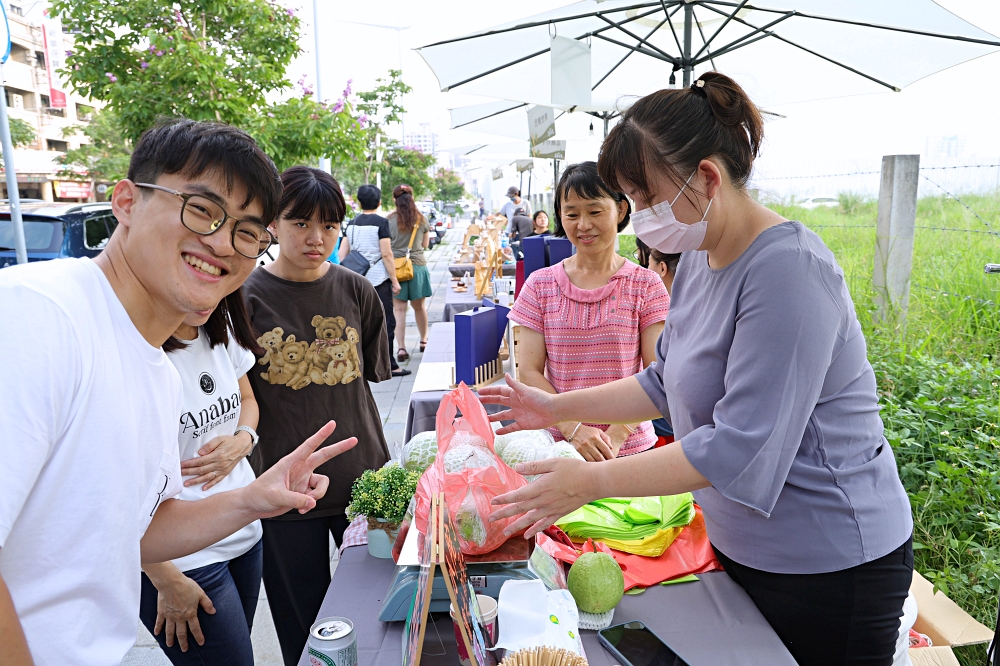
x=583 y=180
x=308 y=190
x=191 y=148
x=229 y=316
x=534 y=218
x=646 y=253
x=369 y=196
x=671 y=131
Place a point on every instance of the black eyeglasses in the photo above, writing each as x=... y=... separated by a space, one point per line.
x=204 y=217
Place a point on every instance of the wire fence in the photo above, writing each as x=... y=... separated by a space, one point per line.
x=863 y=179
x=955 y=182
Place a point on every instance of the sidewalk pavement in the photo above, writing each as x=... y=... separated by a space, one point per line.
x=393 y=400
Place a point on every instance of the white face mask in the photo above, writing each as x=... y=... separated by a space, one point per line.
x=657 y=227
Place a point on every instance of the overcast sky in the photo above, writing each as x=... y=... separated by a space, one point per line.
x=826 y=136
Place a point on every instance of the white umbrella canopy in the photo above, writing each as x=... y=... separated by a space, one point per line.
x=781 y=51
x=509 y=119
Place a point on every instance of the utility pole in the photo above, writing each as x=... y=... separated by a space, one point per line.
x=324 y=163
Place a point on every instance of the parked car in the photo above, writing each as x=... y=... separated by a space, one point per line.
x=821 y=202
x=55 y=230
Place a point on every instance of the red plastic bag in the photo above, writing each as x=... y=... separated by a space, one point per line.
x=477 y=474
x=690 y=553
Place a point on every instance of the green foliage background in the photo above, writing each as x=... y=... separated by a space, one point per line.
x=208 y=60
x=21 y=134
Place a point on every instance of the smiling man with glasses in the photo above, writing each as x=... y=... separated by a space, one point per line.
x=90 y=406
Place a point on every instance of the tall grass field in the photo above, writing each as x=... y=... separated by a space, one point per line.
x=938 y=383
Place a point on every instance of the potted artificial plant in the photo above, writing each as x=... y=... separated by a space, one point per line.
x=382 y=496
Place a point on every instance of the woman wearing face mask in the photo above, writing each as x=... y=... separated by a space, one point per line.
x=763 y=369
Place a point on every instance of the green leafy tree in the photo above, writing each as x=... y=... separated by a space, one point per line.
x=407 y=166
x=205 y=60
x=449 y=186
x=302 y=126
x=21 y=134
x=104 y=158
x=378 y=108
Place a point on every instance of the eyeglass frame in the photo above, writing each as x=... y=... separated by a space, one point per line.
x=641 y=257
x=186 y=196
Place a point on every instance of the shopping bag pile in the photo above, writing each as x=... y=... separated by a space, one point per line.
x=690 y=553
x=468 y=471
x=638 y=525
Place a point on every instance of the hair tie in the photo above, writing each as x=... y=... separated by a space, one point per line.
x=699 y=87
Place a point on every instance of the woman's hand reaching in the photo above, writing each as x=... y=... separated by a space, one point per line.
x=530 y=408
x=564 y=486
x=592 y=443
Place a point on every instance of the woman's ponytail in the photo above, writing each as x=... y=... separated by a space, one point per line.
x=671 y=131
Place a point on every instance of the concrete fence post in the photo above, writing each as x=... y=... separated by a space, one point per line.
x=897 y=214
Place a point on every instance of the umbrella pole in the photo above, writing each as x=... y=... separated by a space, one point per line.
x=686 y=56
x=20 y=248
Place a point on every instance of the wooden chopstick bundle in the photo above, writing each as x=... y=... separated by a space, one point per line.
x=543 y=656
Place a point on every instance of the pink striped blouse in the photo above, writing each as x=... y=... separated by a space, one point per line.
x=592 y=336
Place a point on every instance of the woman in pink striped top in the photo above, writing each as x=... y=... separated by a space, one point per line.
x=593 y=318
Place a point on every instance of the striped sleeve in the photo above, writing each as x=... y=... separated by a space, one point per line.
x=528 y=310
x=655 y=303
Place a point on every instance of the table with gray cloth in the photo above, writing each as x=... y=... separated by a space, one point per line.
x=422 y=413
x=455 y=303
x=708 y=623
x=458 y=270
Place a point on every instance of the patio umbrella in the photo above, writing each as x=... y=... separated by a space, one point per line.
x=781 y=51
x=509 y=118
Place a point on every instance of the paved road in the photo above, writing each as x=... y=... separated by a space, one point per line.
x=393 y=398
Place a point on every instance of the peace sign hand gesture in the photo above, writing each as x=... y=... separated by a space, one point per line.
x=292 y=482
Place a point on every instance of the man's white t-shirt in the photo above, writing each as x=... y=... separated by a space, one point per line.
x=508 y=209
x=211 y=409
x=89 y=450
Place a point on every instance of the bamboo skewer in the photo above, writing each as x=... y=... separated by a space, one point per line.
x=543 y=656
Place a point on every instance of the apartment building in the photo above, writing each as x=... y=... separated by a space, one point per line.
x=28 y=98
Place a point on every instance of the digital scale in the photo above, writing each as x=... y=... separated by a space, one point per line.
x=487 y=574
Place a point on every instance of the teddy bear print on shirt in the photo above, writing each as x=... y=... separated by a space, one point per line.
x=331 y=359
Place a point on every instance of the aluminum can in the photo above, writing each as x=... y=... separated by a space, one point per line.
x=332 y=642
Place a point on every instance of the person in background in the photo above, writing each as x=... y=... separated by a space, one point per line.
x=482 y=209
x=764 y=371
x=540 y=224
x=334 y=257
x=323 y=332
x=515 y=202
x=211 y=595
x=520 y=226
x=664 y=265
x=368 y=233
x=411 y=235
x=593 y=305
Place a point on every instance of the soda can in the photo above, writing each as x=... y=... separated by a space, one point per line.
x=332 y=642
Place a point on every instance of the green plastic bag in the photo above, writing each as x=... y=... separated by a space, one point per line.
x=628 y=519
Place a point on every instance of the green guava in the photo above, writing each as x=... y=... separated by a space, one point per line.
x=596 y=582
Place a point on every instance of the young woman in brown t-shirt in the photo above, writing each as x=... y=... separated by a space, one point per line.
x=323 y=329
